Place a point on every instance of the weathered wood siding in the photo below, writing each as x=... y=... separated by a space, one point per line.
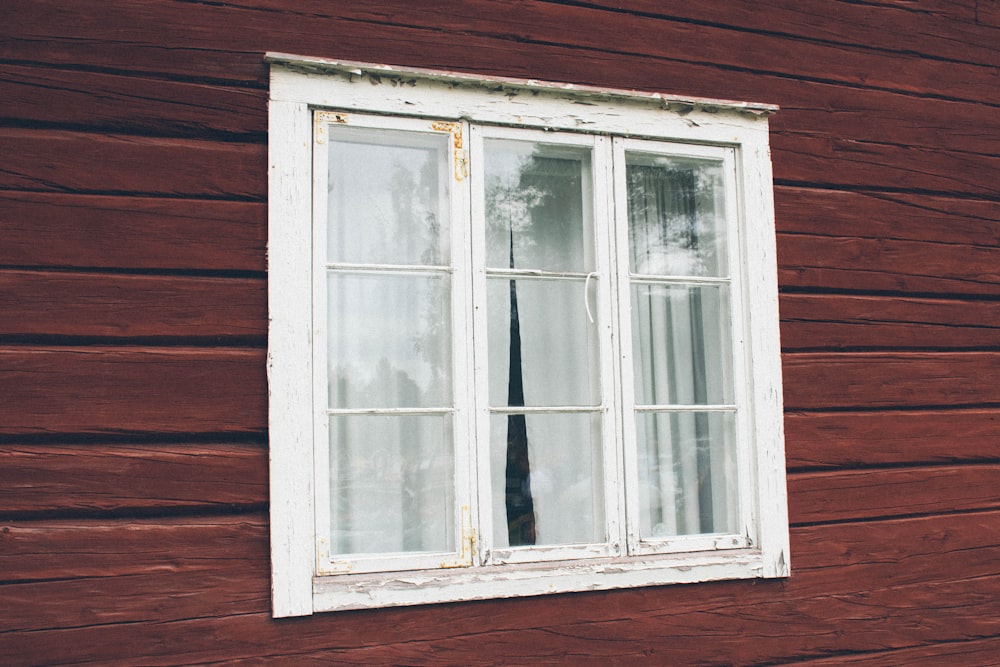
x=133 y=442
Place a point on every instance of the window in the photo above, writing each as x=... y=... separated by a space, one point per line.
x=523 y=339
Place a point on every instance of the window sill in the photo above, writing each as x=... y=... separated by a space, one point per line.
x=367 y=591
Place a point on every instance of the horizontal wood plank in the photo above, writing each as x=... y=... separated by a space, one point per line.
x=936 y=28
x=85 y=231
x=128 y=104
x=969 y=653
x=389 y=33
x=894 y=590
x=886 y=215
x=741 y=624
x=61 y=161
x=82 y=548
x=861 y=494
x=850 y=439
x=830 y=111
x=96 y=390
x=130 y=477
x=835 y=161
x=839 y=380
x=42 y=303
x=817 y=321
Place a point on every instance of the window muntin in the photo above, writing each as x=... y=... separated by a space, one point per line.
x=748 y=539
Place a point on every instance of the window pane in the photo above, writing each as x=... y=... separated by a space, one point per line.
x=389 y=340
x=546 y=344
x=676 y=216
x=388 y=198
x=687 y=473
x=539 y=196
x=391 y=484
x=680 y=345
x=548 y=487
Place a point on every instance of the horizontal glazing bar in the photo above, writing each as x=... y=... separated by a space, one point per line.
x=390 y=411
x=693 y=407
x=677 y=280
x=395 y=268
x=521 y=273
x=520 y=409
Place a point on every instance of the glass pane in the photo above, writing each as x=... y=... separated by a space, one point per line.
x=676 y=216
x=548 y=485
x=538 y=197
x=391 y=484
x=680 y=345
x=542 y=345
x=388 y=197
x=687 y=473
x=389 y=341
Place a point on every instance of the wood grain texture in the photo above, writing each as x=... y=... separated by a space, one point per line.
x=138 y=28
x=845 y=495
x=740 y=628
x=105 y=390
x=141 y=603
x=887 y=215
x=828 y=321
x=111 y=306
x=887 y=264
x=852 y=439
x=128 y=232
x=84 y=548
x=970 y=653
x=116 y=478
x=837 y=162
x=61 y=161
x=128 y=104
x=814 y=381
x=931 y=28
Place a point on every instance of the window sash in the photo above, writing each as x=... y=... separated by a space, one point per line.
x=632 y=410
x=596 y=290
x=458 y=553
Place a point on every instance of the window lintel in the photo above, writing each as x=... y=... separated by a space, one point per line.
x=378 y=73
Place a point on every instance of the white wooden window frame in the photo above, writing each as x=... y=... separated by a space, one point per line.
x=304 y=579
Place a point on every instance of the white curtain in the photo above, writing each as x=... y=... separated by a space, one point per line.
x=680 y=343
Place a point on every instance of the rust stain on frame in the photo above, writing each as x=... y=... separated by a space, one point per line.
x=322 y=118
x=461 y=157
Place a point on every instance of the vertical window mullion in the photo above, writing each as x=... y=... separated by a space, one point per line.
x=742 y=378
x=463 y=342
x=479 y=404
x=609 y=301
x=626 y=372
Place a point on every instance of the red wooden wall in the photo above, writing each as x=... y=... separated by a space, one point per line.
x=133 y=442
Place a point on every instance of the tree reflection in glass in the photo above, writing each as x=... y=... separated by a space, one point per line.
x=546 y=467
x=389 y=341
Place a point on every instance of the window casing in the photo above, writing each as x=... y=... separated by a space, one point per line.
x=518 y=344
